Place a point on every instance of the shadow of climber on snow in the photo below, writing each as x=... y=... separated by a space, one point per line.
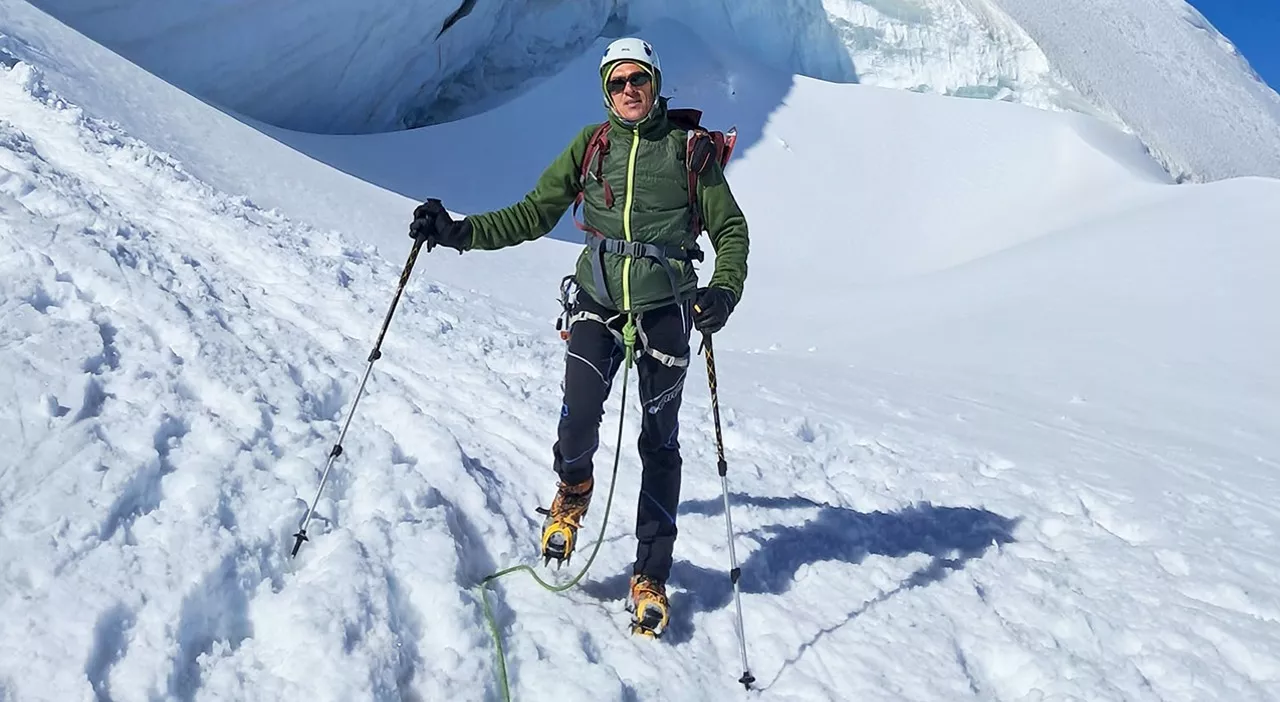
x=951 y=535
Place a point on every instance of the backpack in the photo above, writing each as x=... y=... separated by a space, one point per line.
x=703 y=146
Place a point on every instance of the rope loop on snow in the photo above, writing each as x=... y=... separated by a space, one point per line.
x=483 y=587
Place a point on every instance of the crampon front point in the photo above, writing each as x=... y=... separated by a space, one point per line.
x=648 y=606
x=652 y=627
x=558 y=540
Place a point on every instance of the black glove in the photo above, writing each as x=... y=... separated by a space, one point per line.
x=711 y=309
x=430 y=220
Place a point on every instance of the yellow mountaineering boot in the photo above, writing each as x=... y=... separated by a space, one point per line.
x=560 y=530
x=648 y=606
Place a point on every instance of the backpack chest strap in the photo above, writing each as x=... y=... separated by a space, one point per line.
x=664 y=255
x=640 y=249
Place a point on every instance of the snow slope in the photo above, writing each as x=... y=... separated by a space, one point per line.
x=1156 y=67
x=1001 y=410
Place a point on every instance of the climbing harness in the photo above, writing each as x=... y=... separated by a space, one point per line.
x=570 y=315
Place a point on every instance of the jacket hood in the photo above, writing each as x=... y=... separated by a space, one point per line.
x=659 y=103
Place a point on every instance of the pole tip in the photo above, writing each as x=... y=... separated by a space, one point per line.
x=300 y=536
x=746 y=679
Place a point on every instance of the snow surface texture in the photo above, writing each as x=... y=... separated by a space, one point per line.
x=1001 y=410
x=1156 y=67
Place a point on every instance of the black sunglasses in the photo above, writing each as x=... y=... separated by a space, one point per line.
x=638 y=79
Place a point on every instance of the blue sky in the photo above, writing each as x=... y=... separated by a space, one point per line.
x=1254 y=27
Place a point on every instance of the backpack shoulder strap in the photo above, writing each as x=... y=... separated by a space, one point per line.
x=597 y=148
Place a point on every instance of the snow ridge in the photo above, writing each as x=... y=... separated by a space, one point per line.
x=1172 y=78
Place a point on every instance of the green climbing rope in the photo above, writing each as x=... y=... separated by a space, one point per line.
x=629 y=343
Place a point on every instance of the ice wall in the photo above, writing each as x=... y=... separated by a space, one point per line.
x=1153 y=67
x=341 y=65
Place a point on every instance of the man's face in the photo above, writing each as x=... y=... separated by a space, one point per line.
x=631 y=101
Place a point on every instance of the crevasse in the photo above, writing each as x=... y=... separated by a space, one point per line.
x=1153 y=67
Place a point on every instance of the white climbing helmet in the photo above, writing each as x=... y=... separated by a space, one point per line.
x=631 y=49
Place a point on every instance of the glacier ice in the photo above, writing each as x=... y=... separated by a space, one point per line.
x=1155 y=68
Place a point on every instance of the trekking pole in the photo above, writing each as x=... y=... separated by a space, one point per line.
x=735 y=573
x=373 y=356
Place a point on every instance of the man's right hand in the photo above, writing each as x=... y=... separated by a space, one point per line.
x=712 y=308
x=432 y=222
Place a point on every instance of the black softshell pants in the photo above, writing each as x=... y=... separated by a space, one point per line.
x=593 y=358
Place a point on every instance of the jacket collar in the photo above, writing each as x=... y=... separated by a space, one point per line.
x=653 y=124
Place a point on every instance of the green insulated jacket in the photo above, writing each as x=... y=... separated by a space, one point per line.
x=645 y=169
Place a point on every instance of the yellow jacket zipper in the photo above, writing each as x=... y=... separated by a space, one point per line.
x=626 y=218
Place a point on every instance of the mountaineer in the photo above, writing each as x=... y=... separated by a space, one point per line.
x=648 y=180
